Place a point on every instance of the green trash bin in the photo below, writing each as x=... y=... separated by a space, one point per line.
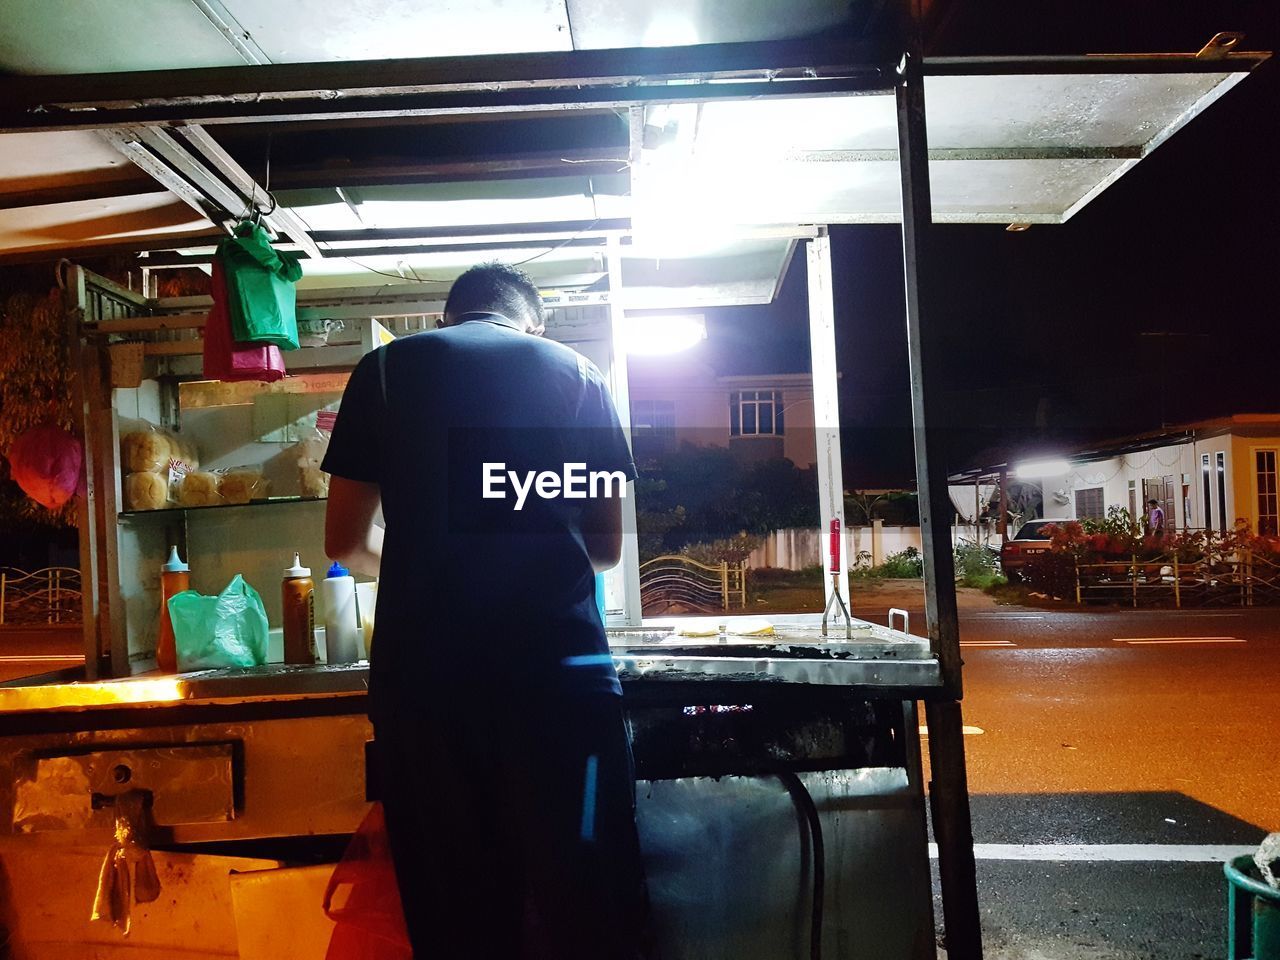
x=1253 y=913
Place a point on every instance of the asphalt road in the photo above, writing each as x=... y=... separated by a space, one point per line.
x=1094 y=735
x=25 y=651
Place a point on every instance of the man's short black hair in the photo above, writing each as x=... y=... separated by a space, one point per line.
x=495 y=288
x=1154 y=503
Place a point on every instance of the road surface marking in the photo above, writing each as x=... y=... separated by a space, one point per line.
x=987 y=643
x=1004 y=616
x=966 y=730
x=1177 y=640
x=44 y=659
x=1107 y=852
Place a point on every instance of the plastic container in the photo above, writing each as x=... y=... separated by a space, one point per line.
x=342 y=637
x=298 y=594
x=175 y=577
x=1253 y=913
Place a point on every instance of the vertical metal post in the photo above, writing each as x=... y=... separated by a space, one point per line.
x=1177 y=584
x=724 y=584
x=926 y=406
x=85 y=381
x=630 y=561
x=826 y=403
x=949 y=786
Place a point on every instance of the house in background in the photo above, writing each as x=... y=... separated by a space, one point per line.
x=676 y=400
x=1205 y=475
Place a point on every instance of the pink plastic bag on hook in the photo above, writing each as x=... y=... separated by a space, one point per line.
x=224 y=358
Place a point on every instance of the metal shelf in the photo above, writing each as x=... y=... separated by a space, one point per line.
x=175 y=511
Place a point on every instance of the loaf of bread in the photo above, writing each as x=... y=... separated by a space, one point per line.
x=242 y=485
x=313 y=481
x=146 y=451
x=184 y=449
x=199 y=489
x=146 y=491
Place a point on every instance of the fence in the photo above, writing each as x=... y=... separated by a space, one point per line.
x=795 y=548
x=1244 y=579
x=676 y=581
x=51 y=595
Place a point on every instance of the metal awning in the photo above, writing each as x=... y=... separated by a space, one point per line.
x=713 y=158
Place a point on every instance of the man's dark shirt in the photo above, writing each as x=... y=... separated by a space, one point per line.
x=474 y=596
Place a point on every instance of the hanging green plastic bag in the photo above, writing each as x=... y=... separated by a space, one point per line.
x=229 y=630
x=260 y=293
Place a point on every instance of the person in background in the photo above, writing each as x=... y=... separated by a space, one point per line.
x=501 y=754
x=1155 y=519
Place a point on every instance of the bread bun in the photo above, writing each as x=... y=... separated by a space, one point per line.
x=146 y=491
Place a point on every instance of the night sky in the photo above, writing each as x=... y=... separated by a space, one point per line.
x=1045 y=329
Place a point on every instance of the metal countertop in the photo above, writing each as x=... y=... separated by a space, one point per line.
x=797 y=653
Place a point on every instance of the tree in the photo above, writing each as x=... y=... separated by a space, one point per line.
x=704 y=494
x=35 y=385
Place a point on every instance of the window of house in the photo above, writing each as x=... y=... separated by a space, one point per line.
x=653 y=425
x=1268 y=514
x=1206 y=492
x=1089 y=505
x=755 y=413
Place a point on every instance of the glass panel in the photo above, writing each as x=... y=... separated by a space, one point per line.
x=749 y=418
x=766 y=418
x=1207 y=520
x=1265 y=461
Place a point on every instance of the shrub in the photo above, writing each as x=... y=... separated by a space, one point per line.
x=904 y=565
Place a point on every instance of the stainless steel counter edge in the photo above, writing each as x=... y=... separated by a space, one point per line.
x=277 y=682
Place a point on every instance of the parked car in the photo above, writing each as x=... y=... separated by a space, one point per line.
x=1032 y=538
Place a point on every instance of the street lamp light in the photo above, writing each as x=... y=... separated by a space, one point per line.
x=1041 y=468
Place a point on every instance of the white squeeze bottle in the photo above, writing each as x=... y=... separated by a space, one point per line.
x=342 y=639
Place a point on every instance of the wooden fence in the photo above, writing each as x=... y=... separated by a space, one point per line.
x=50 y=595
x=673 y=581
x=1243 y=579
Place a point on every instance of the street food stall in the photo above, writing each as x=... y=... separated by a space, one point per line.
x=636 y=160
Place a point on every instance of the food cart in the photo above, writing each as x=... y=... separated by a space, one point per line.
x=679 y=164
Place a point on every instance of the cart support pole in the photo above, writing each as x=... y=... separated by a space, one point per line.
x=630 y=561
x=949 y=804
x=949 y=788
x=826 y=405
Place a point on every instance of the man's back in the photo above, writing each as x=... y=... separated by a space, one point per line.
x=438 y=420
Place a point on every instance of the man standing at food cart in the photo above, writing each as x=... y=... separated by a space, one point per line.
x=501 y=754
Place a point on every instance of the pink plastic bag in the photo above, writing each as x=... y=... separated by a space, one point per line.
x=363 y=900
x=46 y=462
x=224 y=359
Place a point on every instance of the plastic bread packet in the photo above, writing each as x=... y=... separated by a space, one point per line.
x=199 y=488
x=146 y=491
x=243 y=485
x=144 y=447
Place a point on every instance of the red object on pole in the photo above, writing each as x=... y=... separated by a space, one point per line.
x=835 y=545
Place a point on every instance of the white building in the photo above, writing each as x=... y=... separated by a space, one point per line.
x=1206 y=474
